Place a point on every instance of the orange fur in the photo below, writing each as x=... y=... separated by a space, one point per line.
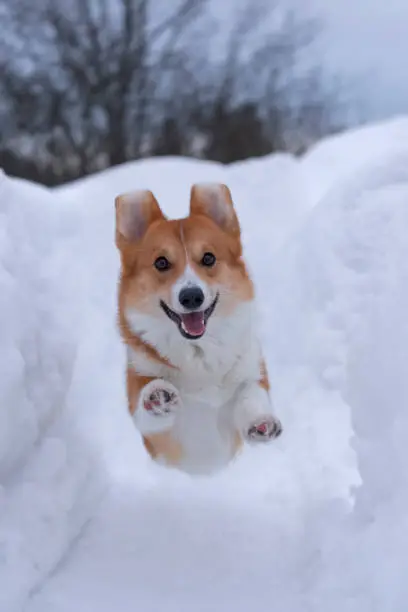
x=264 y=379
x=159 y=444
x=176 y=239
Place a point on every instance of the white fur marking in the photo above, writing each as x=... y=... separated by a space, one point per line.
x=190 y=279
x=141 y=363
x=252 y=403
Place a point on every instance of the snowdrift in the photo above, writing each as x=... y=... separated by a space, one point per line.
x=335 y=158
x=325 y=237
x=364 y=555
x=48 y=473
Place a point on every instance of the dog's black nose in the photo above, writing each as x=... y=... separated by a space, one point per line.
x=191 y=298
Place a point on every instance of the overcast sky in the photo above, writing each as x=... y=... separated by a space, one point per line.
x=366 y=41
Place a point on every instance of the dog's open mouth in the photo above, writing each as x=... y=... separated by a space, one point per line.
x=192 y=325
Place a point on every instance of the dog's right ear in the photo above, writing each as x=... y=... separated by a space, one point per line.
x=135 y=211
x=214 y=200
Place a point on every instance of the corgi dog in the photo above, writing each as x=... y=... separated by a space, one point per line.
x=197 y=382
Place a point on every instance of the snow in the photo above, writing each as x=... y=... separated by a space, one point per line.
x=47 y=464
x=335 y=158
x=317 y=521
x=375 y=387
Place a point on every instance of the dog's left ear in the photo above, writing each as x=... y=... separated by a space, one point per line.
x=214 y=200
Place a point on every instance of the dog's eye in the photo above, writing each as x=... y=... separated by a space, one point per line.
x=162 y=264
x=208 y=260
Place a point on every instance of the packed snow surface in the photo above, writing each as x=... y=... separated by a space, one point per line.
x=314 y=522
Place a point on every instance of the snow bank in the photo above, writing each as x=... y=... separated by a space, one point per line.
x=27 y=400
x=339 y=326
x=336 y=158
x=364 y=556
x=47 y=473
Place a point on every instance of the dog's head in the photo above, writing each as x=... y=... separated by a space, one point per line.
x=184 y=272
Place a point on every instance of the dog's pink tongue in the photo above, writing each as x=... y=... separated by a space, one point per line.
x=193 y=323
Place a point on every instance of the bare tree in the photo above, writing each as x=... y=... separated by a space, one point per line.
x=95 y=83
x=87 y=84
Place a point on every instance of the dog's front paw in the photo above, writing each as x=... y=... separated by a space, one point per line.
x=158 y=404
x=264 y=429
x=160 y=398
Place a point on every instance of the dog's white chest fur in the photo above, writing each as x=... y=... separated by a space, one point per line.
x=204 y=424
x=203 y=427
x=216 y=382
x=204 y=419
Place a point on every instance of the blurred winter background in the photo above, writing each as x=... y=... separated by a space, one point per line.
x=89 y=84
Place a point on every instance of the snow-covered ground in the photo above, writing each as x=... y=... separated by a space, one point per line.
x=315 y=522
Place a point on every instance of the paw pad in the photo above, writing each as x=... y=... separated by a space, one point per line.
x=160 y=398
x=265 y=429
